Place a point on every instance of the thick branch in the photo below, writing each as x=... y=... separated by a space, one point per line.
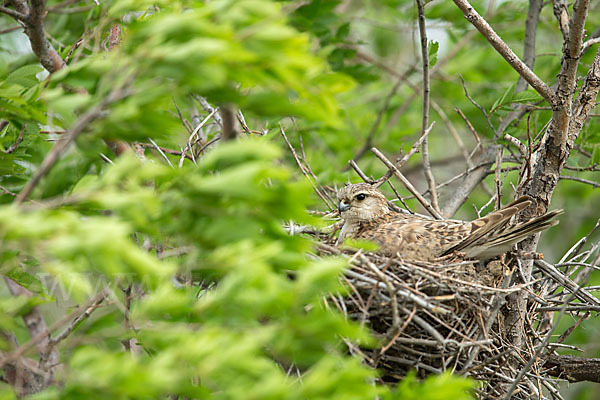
x=586 y=101
x=568 y=74
x=486 y=30
x=574 y=369
x=551 y=157
x=34 y=28
x=44 y=336
x=32 y=20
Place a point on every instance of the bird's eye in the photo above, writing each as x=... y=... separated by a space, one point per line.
x=361 y=196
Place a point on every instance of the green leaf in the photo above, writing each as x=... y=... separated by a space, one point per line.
x=504 y=99
x=343 y=31
x=361 y=244
x=526 y=96
x=27 y=280
x=25 y=76
x=436 y=387
x=432 y=50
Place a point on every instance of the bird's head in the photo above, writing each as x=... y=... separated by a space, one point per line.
x=361 y=202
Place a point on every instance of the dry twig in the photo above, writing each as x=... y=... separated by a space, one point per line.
x=407 y=183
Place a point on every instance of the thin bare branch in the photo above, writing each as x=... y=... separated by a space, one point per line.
x=453 y=131
x=386 y=104
x=61 y=145
x=533 y=15
x=426 y=94
x=164 y=156
x=406 y=157
x=497 y=179
x=469 y=125
x=518 y=144
x=580 y=243
x=95 y=303
x=306 y=173
x=502 y=48
x=359 y=172
x=17 y=142
x=589 y=43
x=15 y=14
x=483 y=163
x=568 y=284
x=44 y=335
x=208 y=108
x=593 y=184
x=407 y=184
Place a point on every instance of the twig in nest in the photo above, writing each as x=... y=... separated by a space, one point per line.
x=391 y=291
x=553 y=272
x=538 y=351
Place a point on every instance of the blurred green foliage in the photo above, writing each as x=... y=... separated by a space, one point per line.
x=225 y=303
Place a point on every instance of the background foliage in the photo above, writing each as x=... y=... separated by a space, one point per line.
x=207 y=294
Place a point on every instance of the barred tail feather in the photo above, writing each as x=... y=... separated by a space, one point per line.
x=497 y=242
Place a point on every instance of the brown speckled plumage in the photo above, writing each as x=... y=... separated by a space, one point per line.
x=367 y=216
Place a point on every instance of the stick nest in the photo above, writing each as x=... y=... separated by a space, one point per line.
x=450 y=316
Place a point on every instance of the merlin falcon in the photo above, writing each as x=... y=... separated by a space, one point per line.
x=367 y=216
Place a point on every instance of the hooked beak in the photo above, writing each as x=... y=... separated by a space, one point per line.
x=343 y=206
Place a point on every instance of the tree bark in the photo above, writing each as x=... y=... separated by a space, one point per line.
x=574 y=369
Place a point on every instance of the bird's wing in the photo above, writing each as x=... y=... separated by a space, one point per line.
x=520 y=231
x=492 y=222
